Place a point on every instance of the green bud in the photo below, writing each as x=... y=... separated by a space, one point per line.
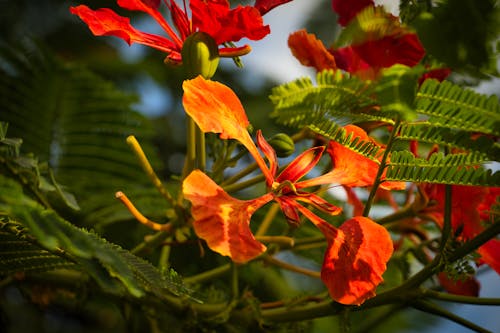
x=282 y=144
x=200 y=55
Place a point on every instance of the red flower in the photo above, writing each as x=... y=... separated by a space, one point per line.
x=213 y=17
x=370 y=51
x=469 y=215
x=357 y=252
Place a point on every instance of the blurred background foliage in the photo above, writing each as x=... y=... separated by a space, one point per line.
x=55 y=43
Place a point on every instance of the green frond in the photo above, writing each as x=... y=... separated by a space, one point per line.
x=18 y=254
x=116 y=270
x=337 y=133
x=452 y=138
x=448 y=105
x=336 y=97
x=72 y=118
x=454 y=169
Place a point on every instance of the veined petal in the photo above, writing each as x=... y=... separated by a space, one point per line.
x=216 y=108
x=355 y=260
x=318 y=202
x=310 y=51
x=269 y=153
x=221 y=220
x=151 y=7
x=105 y=22
x=263 y=6
x=301 y=165
x=225 y=24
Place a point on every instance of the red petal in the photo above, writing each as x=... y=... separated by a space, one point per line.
x=216 y=108
x=489 y=252
x=348 y=60
x=390 y=50
x=355 y=260
x=151 y=7
x=269 y=153
x=266 y=5
x=105 y=22
x=468 y=287
x=310 y=51
x=347 y=9
x=319 y=203
x=221 y=220
x=225 y=24
x=301 y=165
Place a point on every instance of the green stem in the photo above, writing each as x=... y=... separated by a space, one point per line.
x=200 y=150
x=148 y=169
x=208 y=275
x=189 y=164
x=447 y=218
x=268 y=219
x=434 y=309
x=380 y=171
x=150 y=243
x=240 y=174
x=163 y=261
x=476 y=242
x=459 y=298
x=244 y=184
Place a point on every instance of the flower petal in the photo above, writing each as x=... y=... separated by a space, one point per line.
x=301 y=165
x=390 y=50
x=355 y=260
x=151 y=7
x=221 y=220
x=217 y=109
x=468 y=287
x=105 y=22
x=227 y=25
x=264 y=6
x=310 y=51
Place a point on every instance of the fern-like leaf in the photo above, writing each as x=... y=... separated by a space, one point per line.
x=335 y=98
x=457 y=169
x=448 y=105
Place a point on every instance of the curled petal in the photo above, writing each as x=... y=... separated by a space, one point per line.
x=217 y=109
x=290 y=209
x=221 y=220
x=301 y=165
x=355 y=260
x=319 y=203
x=310 y=51
x=263 y=6
x=269 y=153
x=105 y=22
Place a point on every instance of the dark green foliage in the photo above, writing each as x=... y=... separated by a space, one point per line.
x=461 y=33
x=59 y=243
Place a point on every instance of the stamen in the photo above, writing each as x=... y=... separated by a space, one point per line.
x=139 y=217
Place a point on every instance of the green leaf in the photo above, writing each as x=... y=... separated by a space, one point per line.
x=116 y=270
x=454 y=169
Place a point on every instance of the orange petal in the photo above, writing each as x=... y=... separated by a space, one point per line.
x=217 y=109
x=310 y=51
x=350 y=168
x=355 y=260
x=221 y=220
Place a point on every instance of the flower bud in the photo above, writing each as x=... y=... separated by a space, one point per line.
x=200 y=55
x=282 y=144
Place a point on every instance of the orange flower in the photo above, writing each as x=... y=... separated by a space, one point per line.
x=357 y=252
